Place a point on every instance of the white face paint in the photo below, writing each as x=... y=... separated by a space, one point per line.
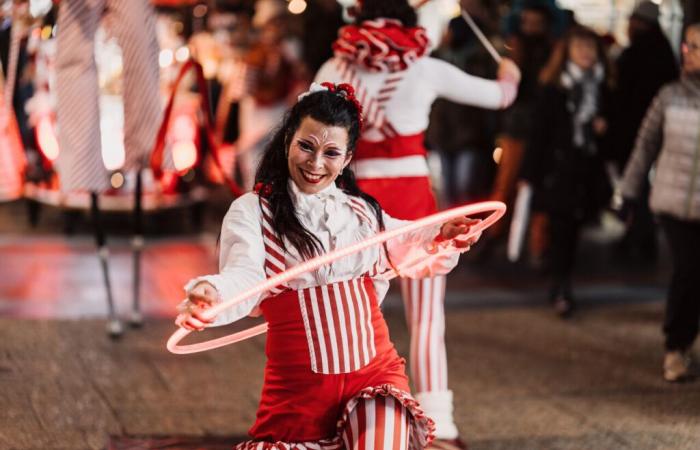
x=317 y=155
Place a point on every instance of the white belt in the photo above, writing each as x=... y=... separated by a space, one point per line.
x=407 y=166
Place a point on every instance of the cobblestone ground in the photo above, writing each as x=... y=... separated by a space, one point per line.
x=523 y=379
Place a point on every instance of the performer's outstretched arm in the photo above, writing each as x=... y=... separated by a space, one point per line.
x=241 y=260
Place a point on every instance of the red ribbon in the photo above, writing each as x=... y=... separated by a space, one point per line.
x=159 y=148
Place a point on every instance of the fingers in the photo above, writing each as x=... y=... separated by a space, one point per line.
x=464 y=243
x=458 y=226
x=193 y=320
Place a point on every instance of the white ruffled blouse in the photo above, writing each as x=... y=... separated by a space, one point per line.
x=329 y=216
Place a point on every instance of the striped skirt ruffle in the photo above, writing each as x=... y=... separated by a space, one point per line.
x=422 y=427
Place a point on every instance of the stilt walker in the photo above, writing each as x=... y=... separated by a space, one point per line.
x=137 y=242
x=80 y=163
x=114 y=325
x=384 y=56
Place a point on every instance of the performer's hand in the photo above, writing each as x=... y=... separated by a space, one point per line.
x=201 y=297
x=203 y=294
x=508 y=70
x=457 y=227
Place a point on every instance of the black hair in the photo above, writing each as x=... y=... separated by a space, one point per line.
x=330 y=109
x=389 y=9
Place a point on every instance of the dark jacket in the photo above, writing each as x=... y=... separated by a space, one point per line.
x=642 y=68
x=565 y=179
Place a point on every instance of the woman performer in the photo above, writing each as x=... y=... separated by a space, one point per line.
x=384 y=57
x=333 y=378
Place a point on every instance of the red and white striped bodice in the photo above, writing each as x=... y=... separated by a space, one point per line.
x=338 y=324
x=337 y=317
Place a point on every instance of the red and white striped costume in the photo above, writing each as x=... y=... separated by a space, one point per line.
x=390 y=164
x=80 y=164
x=332 y=377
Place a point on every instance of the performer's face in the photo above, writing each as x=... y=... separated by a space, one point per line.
x=317 y=154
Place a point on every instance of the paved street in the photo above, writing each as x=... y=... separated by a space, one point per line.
x=523 y=379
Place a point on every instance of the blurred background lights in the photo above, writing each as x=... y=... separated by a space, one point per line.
x=297 y=6
x=184 y=155
x=117 y=180
x=497 y=152
x=182 y=54
x=46 y=137
x=165 y=58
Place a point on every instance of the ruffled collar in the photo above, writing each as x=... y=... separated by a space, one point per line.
x=381 y=45
x=302 y=200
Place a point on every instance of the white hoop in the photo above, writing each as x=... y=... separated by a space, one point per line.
x=497 y=210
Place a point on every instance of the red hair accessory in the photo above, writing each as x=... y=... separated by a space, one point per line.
x=263 y=189
x=348 y=92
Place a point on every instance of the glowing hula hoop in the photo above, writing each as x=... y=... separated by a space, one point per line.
x=497 y=210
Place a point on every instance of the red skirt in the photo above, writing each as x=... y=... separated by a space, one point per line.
x=407 y=198
x=301 y=408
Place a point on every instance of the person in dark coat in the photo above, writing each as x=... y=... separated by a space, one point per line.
x=563 y=161
x=642 y=68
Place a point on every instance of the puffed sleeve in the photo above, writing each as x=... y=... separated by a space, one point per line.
x=417 y=246
x=241 y=258
x=453 y=84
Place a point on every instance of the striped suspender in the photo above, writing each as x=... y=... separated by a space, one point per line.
x=274 y=254
x=373 y=107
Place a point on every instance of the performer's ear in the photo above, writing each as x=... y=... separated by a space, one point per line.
x=348 y=158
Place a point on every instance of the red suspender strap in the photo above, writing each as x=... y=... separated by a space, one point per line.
x=274 y=252
x=373 y=107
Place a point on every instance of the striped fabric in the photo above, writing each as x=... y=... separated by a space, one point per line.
x=338 y=323
x=17 y=33
x=274 y=252
x=362 y=211
x=425 y=316
x=380 y=423
x=372 y=107
x=420 y=432
x=378 y=417
x=133 y=22
x=326 y=444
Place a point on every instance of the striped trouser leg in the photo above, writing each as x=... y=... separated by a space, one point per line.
x=79 y=163
x=380 y=423
x=424 y=302
x=134 y=24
